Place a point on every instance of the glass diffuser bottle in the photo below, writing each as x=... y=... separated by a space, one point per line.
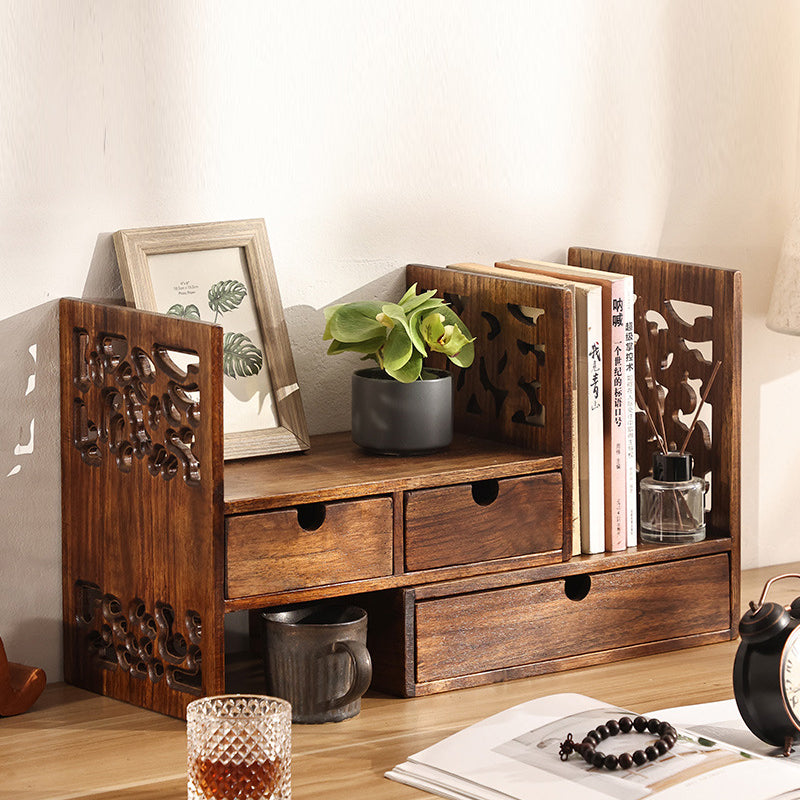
x=671 y=502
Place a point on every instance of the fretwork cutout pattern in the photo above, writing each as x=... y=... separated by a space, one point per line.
x=135 y=404
x=505 y=381
x=674 y=362
x=149 y=646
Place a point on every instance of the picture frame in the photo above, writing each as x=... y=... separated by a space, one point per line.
x=223 y=272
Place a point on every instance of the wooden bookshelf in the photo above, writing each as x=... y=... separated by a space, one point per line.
x=462 y=558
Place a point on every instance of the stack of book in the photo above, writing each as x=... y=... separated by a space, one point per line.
x=604 y=435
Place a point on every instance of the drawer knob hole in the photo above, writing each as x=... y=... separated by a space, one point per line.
x=484 y=493
x=311 y=516
x=576 y=587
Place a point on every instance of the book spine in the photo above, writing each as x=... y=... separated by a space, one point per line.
x=617 y=533
x=630 y=402
x=590 y=427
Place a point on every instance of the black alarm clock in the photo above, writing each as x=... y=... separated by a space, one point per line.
x=766 y=670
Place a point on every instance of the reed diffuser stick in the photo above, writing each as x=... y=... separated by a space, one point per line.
x=640 y=399
x=648 y=328
x=699 y=407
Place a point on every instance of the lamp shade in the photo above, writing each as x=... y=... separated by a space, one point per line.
x=784 y=307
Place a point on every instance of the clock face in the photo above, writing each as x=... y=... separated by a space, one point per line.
x=790 y=674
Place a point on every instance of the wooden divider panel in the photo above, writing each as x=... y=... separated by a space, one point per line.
x=519 y=389
x=687 y=318
x=141 y=455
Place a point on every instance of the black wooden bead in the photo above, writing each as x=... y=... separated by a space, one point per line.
x=588 y=752
x=625 y=760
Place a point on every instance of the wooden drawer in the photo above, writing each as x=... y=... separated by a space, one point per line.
x=482 y=521
x=309 y=545
x=520 y=625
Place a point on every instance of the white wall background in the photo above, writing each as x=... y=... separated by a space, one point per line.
x=369 y=135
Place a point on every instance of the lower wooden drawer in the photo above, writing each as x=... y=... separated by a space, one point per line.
x=494 y=630
x=311 y=545
x=456 y=634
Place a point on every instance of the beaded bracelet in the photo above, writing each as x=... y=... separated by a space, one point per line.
x=587 y=748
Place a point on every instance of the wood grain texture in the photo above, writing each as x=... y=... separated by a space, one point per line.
x=519 y=390
x=334 y=469
x=496 y=630
x=144 y=754
x=273 y=551
x=447 y=525
x=133 y=247
x=677 y=355
x=141 y=460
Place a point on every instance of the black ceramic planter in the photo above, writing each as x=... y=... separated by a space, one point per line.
x=402 y=418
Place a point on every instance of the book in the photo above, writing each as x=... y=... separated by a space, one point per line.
x=514 y=755
x=619 y=392
x=588 y=437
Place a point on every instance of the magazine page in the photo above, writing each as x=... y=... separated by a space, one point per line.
x=515 y=754
x=722 y=721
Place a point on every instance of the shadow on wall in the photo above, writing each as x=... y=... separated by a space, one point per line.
x=30 y=500
x=325 y=380
x=30 y=473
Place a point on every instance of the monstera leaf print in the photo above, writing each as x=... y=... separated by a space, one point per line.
x=225 y=296
x=240 y=357
x=184 y=312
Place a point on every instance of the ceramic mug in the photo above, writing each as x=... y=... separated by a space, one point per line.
x=316 y=657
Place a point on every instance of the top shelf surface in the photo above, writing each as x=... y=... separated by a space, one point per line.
x=335 y=468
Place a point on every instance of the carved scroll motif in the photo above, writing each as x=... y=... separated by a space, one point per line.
x=674 y=362
x=149 y=646
x=503 y=384
x=134 y=404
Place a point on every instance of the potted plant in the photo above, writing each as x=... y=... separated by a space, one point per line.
x=399 y=406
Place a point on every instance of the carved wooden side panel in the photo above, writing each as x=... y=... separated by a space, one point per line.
x=141 y=505
x=517 y=387
x=687 y=318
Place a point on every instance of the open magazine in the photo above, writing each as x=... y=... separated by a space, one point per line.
x=514 y=755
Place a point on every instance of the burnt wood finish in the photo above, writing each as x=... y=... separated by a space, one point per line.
x=141 y=459
x=309 y=545
x=519 y=390
x=480 y=632
x=484 y=520
x=678 y=353
x=335 y=469
x=460 y=590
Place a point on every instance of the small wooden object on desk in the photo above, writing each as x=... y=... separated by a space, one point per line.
x=462 y=559
x=20 y=686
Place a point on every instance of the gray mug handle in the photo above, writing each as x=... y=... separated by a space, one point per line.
x=362 y=672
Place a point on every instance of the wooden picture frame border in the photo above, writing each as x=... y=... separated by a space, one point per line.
x=134 y=246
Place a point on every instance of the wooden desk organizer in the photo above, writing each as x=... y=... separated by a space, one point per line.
x=462 y=558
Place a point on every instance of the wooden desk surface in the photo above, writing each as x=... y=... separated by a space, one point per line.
x=74 y=744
